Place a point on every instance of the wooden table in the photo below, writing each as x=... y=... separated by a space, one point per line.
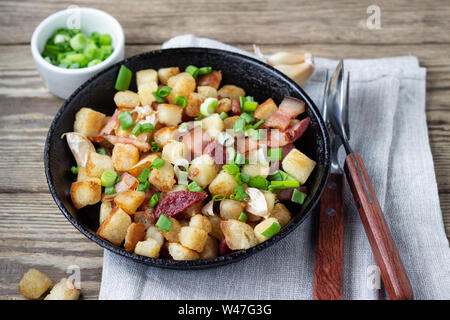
x=33 y=233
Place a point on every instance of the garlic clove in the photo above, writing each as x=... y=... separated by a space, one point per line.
x=288 y=58
x=207 y=210
x=80 y=147
x=256 y=204
x=300 y=73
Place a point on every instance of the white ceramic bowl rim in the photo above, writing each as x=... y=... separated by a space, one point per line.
x=96 y=68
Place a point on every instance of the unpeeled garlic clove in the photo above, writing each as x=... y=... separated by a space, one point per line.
x=288 y=58
x=80 y=147
x=300 y=73
x=257 y=203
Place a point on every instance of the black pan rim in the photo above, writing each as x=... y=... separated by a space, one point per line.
x=194 y=264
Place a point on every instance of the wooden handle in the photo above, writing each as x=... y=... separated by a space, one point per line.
x=329 y=254
x=384 y=250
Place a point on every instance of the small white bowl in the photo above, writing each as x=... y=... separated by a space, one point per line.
x=63 y=82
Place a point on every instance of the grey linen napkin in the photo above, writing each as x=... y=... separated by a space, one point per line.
x=388 y=128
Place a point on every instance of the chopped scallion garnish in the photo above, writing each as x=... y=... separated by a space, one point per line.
x=126 y=121
x=164 y=223
x=272 y=230
x=298 y=196
x=242 y=217
x=231 y=168
x=146 y=127
x=279 y=185
x=219 y=197
x=259 y=182
x=204 y=70
x=110 y=190
x=250 y=106
x=158 y=163
x=223 y=115
x=248 y=118
x=108 y=178
x=143 y=176
x=154 y=146
x=181 y=101
x=123 y=78
x=239 y=125
x=193 y=186
x=275 y=154
x=143 y=186
x=193 y=71
x=101 y=151
x=154 y=200
x=74 y=169
x=209 y=106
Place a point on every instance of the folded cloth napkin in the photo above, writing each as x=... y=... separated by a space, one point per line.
x=388 y=128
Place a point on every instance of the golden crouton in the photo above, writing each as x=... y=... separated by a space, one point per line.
x=281 y=213
x=135 y=233
x=201 y=222
x=238 y=235
x=129 y=200
x=114 y=228
x=230 y=91
x=154 y=233
x=169 y=114
x=298 y=165
x=210 y=250
x=165 y=134
x=145 y=161
x=213 y=125
x=173 y=234
x=97 y=164
x=193 y=106
x=223 y=183
x=165 y=73
x=88 y=122
x=86 y=192
x=64 y=290
x=261 y=227
x=179 y=252
x=256 y=169
x=270 y=200
x=105 y=210
x=147 y=83
x=33 y=284
x=182 y=84
x=149 y=248
x=173 y=151
x=202 y=170
x=231 y=209
x=224 y=105
x=229 y=122
x=265 y=109
x=193 y=238
x=216 y=231
x=207 y=91
x=126 y=99
x=163 y=178
x=124 y=156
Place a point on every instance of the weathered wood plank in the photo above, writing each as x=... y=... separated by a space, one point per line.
x=236 y=21
x=33 y=233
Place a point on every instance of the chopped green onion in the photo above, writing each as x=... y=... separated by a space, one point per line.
x=158 y=163
x=123 y=78
x=249 y=99
x=279 y=185
x=272 y=230
x=78 y=42
x=298 y=196
x=110 y=190
x=94 y=62
x=204 y=70
x=280 y=175
x=256 y=125
x=219 y=197
x=181 y=101
x=242 y=101
x=248 y=118
x=154 y=146
x=118 y=179
x=259 y=182
x=104 y=39
x=241 y=178
x=158 y=98
x=250 y=106
x=193 y=186
x=136 y=130
x=183 y=127
x=275 y=154
x=242 y=217
x=126 y=121
x=239 y=125
x=231 y=169
x=154 y=200
x=74 y=169
x=143 y=176
x=146 y=127
x=209 y=106
x=108 y=178
x=223 y=115
x=193 y=71
x=199 y=117
x=164 y=223
x=143 y=186
x=101 y=151
x=163 y=91
x=239 y=193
